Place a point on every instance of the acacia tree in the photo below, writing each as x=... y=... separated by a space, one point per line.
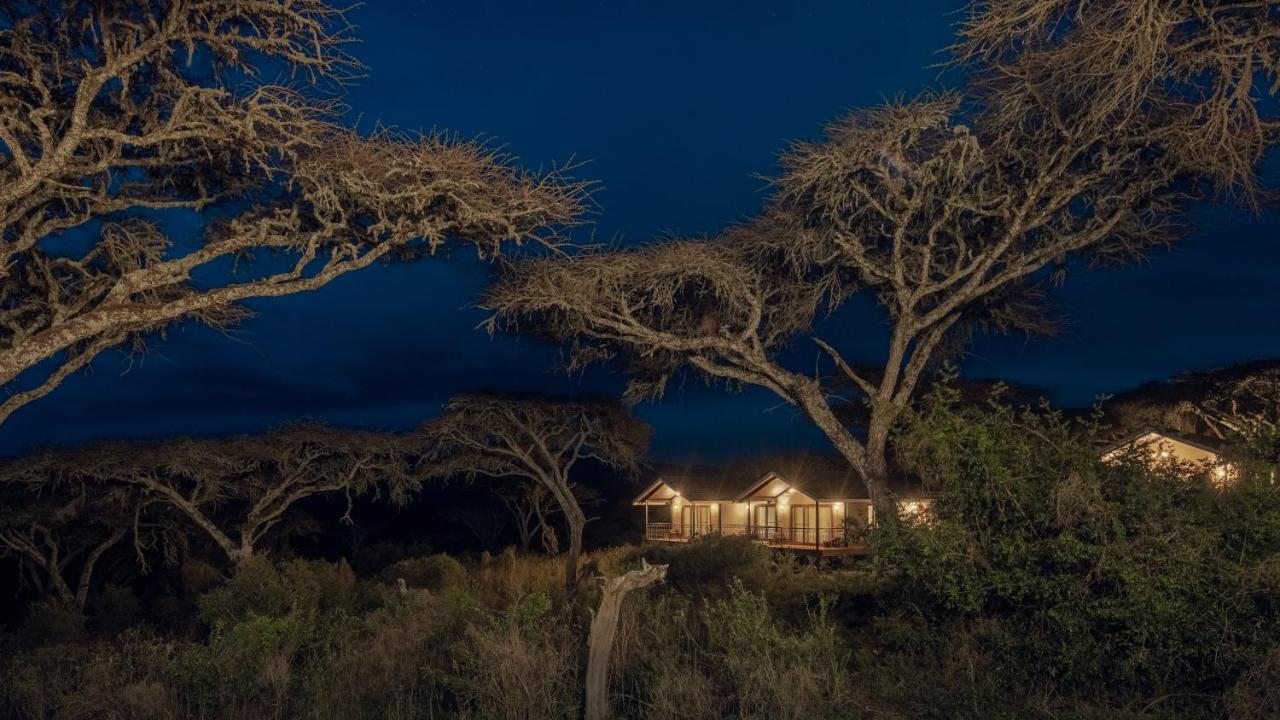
x=59 y=536
x=541 y=441
x=108 y=110
x=1086 y=128
x=234 y=490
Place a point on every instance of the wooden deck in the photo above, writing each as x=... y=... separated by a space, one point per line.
x=832 y=547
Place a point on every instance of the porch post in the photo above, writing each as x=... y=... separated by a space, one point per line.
x=817 y=526
x=646 y=519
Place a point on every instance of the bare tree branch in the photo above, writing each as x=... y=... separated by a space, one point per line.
x=109 y=109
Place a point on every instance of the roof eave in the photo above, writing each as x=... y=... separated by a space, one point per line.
x=643 y=498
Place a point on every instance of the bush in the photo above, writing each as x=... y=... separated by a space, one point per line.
x=1097 y=580
x=256 y=588
x=773 y=671
x=709 y=565
x=432 y=572
x=115 y=610
x=518 y=666
x=52 y=622
x=122 y=678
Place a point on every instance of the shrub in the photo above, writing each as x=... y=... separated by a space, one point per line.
x=774 y=671
x=248 y=663
x=199 y=577
x=122 y=678
x=321 y=587
x=518 y=667
x=52 y=622
x=1096 y=580
x=432 y=572
x=115 y=610
x=709 y=565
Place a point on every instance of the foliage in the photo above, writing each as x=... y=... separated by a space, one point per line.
x=710 y=564
x=1082 y=573
x=430 y=572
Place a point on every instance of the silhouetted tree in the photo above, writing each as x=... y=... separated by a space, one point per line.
x=539 y=440
x=234 y=490
x=109 y=109
x=59 y=534
x=1086 y=128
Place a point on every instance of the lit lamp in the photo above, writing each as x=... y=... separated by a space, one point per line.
x=1223 y=473
x=675 y=502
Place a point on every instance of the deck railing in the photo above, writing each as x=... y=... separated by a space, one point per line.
x=798 y=537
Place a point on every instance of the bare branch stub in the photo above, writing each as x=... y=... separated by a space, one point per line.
x=110 y=109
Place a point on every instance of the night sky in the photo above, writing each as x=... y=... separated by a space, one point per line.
x=677 y=106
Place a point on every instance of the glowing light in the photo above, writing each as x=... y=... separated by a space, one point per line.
x=838 y=506
x=715 y=507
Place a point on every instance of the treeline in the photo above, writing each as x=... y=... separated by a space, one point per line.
x=63 y=511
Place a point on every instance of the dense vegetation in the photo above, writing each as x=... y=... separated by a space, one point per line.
x=1045 y=584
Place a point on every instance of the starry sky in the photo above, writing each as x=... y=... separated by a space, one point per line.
x=677 y=107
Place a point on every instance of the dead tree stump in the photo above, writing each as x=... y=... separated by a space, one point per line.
x=604 y=625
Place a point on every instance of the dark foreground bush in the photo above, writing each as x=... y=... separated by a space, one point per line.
x=1111 y=583
x=430 y=572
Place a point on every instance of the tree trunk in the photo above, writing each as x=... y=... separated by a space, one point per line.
x=604 y=626
x=576 y=522
x=60 y=586
x=868 y=461
x=242 y=554
x=90 y=561
x=876 y=476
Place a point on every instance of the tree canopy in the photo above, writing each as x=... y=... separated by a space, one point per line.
x=110 y=112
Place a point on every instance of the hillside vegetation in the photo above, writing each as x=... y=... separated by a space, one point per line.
x=1046 y=584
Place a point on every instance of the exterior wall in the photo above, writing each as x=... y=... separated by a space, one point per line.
x=1161 y=449
x=734 y=517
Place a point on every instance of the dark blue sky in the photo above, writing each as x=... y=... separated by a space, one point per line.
x=676 y=105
